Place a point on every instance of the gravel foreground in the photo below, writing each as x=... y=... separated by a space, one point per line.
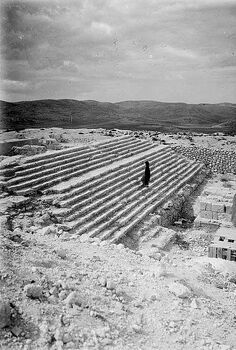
x=80 y=294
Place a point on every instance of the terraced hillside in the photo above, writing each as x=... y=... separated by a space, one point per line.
x=97 y=190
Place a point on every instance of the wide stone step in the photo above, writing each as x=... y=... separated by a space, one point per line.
x=62 y=155
x=124 y=199
x=110 y=182
x=90 y=167
x=128 y=191
x=125 y=187
x=39 y=182
x=115 y=235
x=117 y=145
x=116 y=141
x=56 y=163
x=61 y=176
x=87 y=187
x=121 y=222
x=28 y=176
x=26 y=187
x=51 y=156
x=94 y=157
x=107 y=188
x=168 y=184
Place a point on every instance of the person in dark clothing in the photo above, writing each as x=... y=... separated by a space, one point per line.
x=146 y=176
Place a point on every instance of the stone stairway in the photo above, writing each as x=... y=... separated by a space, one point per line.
x=110 y=204
x=43 y=171
x=97 y=190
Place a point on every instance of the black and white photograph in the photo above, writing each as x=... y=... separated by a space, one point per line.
x=118 y=175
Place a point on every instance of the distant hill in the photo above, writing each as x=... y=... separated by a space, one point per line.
x=132 y=115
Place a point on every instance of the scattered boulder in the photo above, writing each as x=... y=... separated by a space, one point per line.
x=54 y=291
x=155 y=254
x=52 y=144
x=16 y=331
x=5 y=314
x=179 y=290
x=33 y=291
x=120 y=246
x=110 y=285
x=63 y=294
x=162 y=272
x=232 y=278
x=33 y=229
x=61 y=253
x=48 y=230
x=15 y=236
x=64 y=227
x=73 y=299
x=45 y=217
x=194 y=304
x=103 y=281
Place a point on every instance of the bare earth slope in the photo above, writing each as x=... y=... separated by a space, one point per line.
x=150 y=115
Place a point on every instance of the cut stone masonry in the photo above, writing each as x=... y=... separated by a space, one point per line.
x=97 y=190
x=224 y=245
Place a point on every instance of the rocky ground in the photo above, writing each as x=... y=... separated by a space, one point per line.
x=63 y=292
x=67 y=137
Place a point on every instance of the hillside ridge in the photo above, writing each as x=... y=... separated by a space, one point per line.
x=135 y=115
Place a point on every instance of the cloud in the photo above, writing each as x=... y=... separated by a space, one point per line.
x=15 y=86
x=100 y=27
x=107 y=43
x=183 y=53
x=70 y=66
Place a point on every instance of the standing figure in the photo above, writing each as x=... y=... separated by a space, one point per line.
x=146 y=176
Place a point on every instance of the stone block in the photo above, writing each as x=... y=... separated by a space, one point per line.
x=228 y=209
x=202 y=206
x=5 y=314
x=223 y=217
x=214 y=215
x=33 y=291
x=206 y=214
x=218 y=207
x=208 y=206
x=197 y=223
x=233 y=215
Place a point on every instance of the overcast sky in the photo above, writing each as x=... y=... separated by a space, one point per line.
x=113 y=50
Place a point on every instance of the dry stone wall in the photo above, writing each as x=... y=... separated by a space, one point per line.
x=218 y=161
